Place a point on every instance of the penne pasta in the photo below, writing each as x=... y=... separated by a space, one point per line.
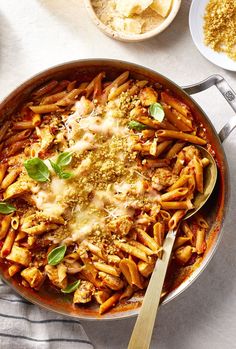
x=15 y=148
x=3 y=169
x=176 y=104
x=44 y=109
x=155 y=163
x=109 y=303
x=22 y=125
x=8 y=243
x=131 y=273
x=159 y=233
x=198 y=170
x=106 y=268
x=174 y=194
x=45 y=88
x=176 y=205
x=134 y=251
x=162 y=147
x=128 y=293
x=200 y=240
x=147 y=240
x=10 y=178
x=201 y=222
x=175 y=149
x=18 y=137
x=5 y=225
x=142 y=247
x=181 y=135
x=188 y=232
x=179 y=164
x=54 y=98
x=179 y=183
x=175 y=219
x=176 y=119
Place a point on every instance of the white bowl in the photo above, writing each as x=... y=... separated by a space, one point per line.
x=133 y=37
x=196 y=22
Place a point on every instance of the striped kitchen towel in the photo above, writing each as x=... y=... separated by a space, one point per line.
x=26 y=326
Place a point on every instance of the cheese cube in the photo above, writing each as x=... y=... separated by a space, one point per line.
x=127 y=8
x=162 y=7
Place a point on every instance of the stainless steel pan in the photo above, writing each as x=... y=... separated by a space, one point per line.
x=215 y=211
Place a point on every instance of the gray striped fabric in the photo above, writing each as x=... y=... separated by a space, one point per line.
x=26 y=326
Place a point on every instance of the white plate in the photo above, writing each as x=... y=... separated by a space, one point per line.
x=196 y=15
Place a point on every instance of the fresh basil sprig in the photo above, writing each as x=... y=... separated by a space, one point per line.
x=72 y=287
x=157 y=112
x=37 y=170
x=6 y=208
x=135 y=125
x=59 y=171
x=63 y=160
x=56 y=255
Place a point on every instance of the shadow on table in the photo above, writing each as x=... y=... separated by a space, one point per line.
x=68 y=13
x=8 y=39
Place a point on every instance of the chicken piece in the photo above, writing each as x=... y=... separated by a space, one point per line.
x=145 y=269
x=84 y=106
x=84 y=293
x=102 y=295
x=120 y=225
x=163 y=178
x=190 y=152
x=148 y=96
x=20 y=255
x=113 y=282
x=47 y=140
x=183 y=254
x=138 y=112
x=33 y=276
x=55 y=278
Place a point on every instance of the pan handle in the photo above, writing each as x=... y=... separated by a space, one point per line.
x=226 y=91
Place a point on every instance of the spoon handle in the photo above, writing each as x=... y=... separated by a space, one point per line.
x=142 y=332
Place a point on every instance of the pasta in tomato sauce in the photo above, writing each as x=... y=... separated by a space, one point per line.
x=93 y=174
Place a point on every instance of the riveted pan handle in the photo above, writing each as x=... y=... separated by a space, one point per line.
x=225 y=90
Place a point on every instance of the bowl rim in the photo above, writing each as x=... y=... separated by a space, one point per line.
x=133 y=37
x=226 y=197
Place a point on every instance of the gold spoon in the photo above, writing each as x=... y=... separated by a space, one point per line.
x=142 y=332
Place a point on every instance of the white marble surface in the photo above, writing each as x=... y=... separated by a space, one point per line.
x=35 y=34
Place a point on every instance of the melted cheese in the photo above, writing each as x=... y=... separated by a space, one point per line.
x=50 y=198
x=100 y=188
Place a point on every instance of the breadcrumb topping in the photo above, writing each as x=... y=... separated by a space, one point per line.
x=220 y=26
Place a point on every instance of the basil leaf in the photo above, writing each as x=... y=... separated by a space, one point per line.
x=56 y=168
x=37 y=170
x=135 y=125
x=65 y=175
x=72 y=287
x=6 y=208
x=157 y=112
x=56 y=255
x=64 y=159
